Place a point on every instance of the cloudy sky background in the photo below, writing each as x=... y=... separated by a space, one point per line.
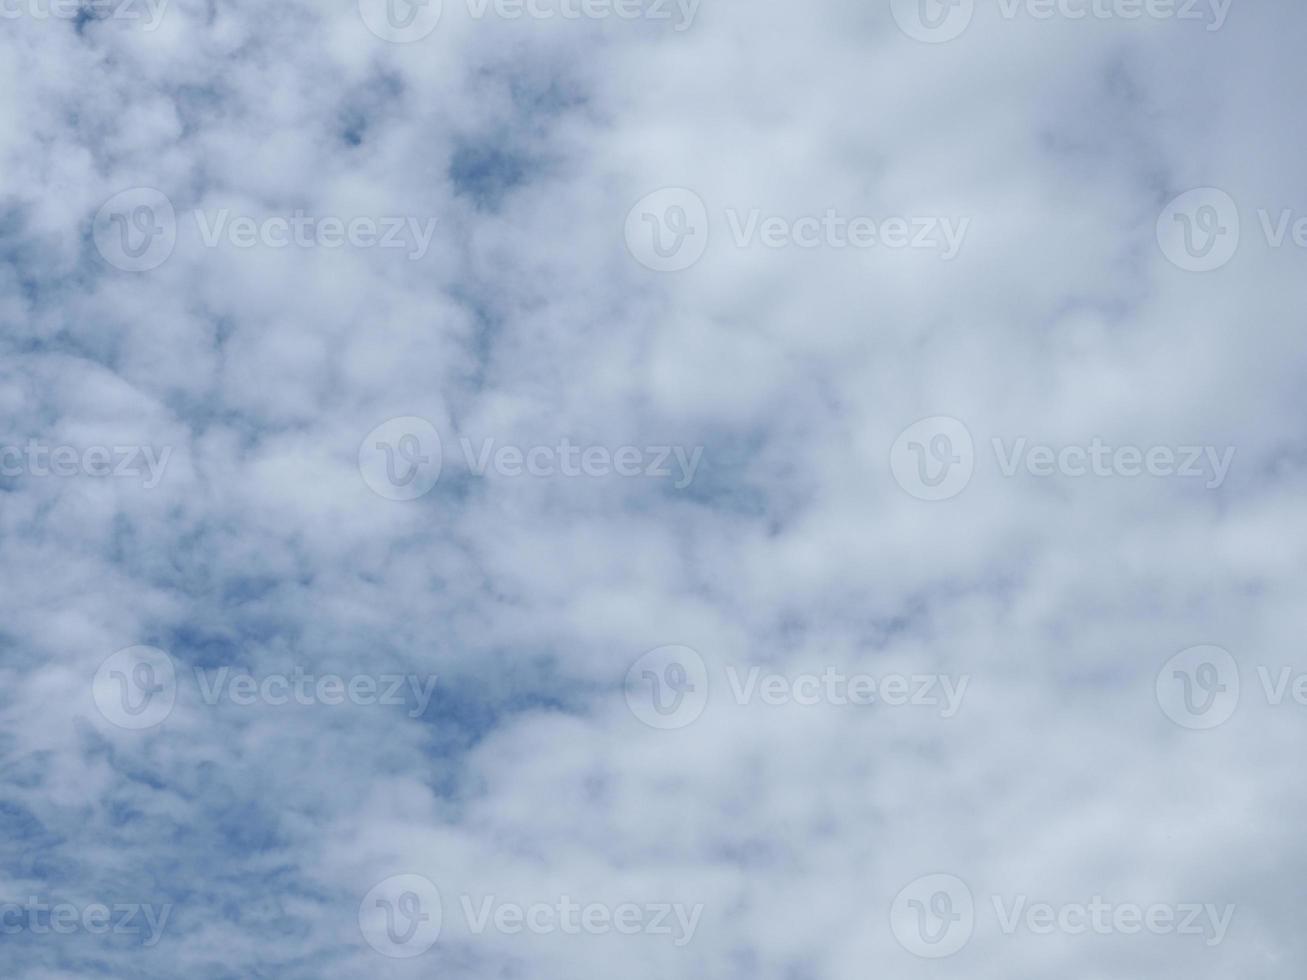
x=528 y=320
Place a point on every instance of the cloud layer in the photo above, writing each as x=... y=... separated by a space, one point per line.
x=652 y=638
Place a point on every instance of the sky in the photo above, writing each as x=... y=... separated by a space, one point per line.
x=661 y=488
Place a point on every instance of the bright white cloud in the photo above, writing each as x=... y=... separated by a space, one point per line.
x=672 y=284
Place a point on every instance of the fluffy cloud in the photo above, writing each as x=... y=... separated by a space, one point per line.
x=569 y=386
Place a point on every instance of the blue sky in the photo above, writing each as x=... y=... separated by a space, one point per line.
x=600 y=410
